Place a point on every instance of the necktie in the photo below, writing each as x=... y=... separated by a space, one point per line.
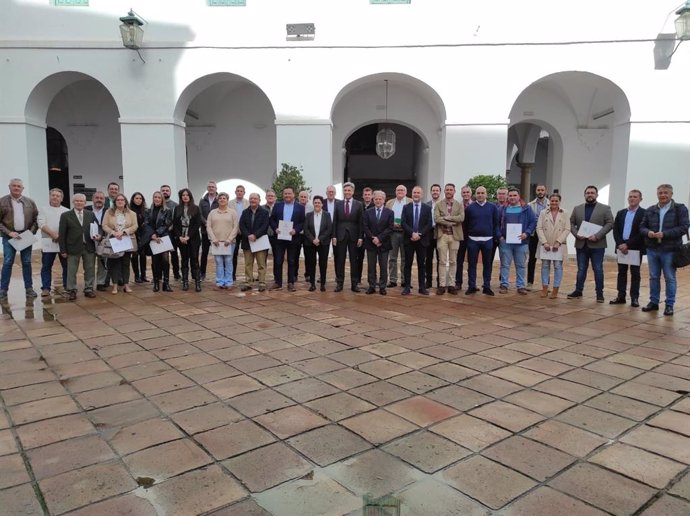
x=378 y=214
x=81 y=218
x=347 y=208
x=416 y=218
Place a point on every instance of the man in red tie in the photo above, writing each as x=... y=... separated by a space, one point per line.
x=349 y=232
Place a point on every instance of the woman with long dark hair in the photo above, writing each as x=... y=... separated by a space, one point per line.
x=157 y=224
x=137 y=204
x=120 y=222
x=186 y=228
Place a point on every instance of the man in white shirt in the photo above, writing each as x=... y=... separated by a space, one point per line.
x=329 y=205
x=397 y=204
x=98 y=208
x=239 y=204
x=49 y=224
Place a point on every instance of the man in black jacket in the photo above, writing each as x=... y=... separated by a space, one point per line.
x=378 y=228
x=347 y=236
x=207 y=203
x=626 y=233
x=253 y=226
x=416 y=224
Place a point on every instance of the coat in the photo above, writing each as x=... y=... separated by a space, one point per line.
x=73 y=236
x=382 y=229
x=636 y=240
x=551 y=232
x=325 y=230
x=601 y=216
x=454 y=220
x=424 y=228
x=259 y=228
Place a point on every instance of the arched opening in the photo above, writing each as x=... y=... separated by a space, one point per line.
x=365 y=168
x=416 y=113
x=230 y=131
x=58 y=163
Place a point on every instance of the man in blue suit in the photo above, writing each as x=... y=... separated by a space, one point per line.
x=416 y=224
x=287 y=209
x=378 y=228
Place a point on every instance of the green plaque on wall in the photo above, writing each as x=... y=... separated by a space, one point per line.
x=71 y=3
x=227 y=3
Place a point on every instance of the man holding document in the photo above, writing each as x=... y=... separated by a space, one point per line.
x=517 y=224
x=78 y=230
x=255 y=244
x=629 y=249
x=18 y=223
x=589 y=224
x=287 y=222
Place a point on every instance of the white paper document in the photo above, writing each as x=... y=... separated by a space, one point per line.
x=122 y=245
x=221 y=249
x=260 y=244
x=284 y=228
x=553 y=254
x=24 y=240
x=513 y=232
x=632 y=258
x=160 y=247
x=49 y=246
x=93 y=229
x=587 y=229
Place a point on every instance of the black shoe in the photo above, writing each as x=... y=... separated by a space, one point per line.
x=338 y=288
x=185 y=285
x=167 y=287
x=634 y=302
x=323 y=288
x=156 y=286
x=144 y=279
x=392 y=284
x=371 y=290
x=355 y=288
x=137 y=280
x=101 y=288
x=487 y=291
x=574 y=294
x=312 y=288
x=429 y=284
x=618 y=301
x=423 y=291
x=291 y=287
x=651 y=307
x=72 y=295
x=471 y=291
x=600 y=298
x=382 y=291
x=405 y=291
x=668 y=310
x=197 y=286
x=245 y=288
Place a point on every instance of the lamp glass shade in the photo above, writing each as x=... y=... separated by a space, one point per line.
x=132 y=35
x=683 y=25
x=385 y=143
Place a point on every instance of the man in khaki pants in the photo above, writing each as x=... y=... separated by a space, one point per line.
x=448 y=215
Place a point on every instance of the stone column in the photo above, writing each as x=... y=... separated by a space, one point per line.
x=525 y=179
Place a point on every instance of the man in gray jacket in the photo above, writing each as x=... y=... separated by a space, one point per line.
x=590 y=245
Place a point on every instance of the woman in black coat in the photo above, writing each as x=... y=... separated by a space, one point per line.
x=138 y=205
x=157 y=224
x=317 y=242
x=186 y=228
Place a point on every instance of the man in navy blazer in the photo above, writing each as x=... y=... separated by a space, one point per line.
x=287 y=209
x=416 y=224
x=378 y=228
x=626 y=233
x=348 y=230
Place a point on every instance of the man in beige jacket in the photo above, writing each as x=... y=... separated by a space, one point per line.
x=448 y=215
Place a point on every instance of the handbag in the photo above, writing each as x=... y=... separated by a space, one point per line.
x=105 y=250
x=681 y=257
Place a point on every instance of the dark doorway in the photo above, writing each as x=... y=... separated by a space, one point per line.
x=58 y=164
x=365 y=168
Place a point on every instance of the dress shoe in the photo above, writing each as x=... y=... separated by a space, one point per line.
x=405 y=292
x=522 y=291
x=276 y=286
x=291 y=287
x=453 y=291
x=101 y=288
x=600 y=298
x=156 y=286
x=471 y=291
x=312 y=288
x=617 y=301
x=392 y=284
x=429 y=284
x=355 y=288
x=382 y=291
x=370 y=290
x=338 y=288
x=440 y=291
x=323 y=288
x=423 y=291
x=634 y=302
x=487 y=291
x=502 y=290
x=72 y=295
x=262 y=289
x=197 y=286
x=185 y=285
x=45 y=292
x=574 y=294
x=166 y=287
x=90 y=293
x=31 y=293
x=651 y=307
x=137 y=280
x=668 y=310
x=245 y=288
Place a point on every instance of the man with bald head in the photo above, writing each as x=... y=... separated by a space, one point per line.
x=483 y=230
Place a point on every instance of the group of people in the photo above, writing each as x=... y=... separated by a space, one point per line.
x=391 y=234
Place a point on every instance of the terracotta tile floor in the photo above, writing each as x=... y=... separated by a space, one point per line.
x=317 y=403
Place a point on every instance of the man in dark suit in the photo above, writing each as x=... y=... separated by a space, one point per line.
x=347 y=236
x=592 y=247
x=416 y=224
x=254 y=225
x=288 y=209
x=367 y=203
x=378 y=228
x=318 y=231
x=98 y=208
x=77 y=243
x=626 y=233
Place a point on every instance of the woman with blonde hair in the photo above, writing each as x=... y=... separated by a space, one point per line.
x=222 y=226
x=553 y=228
x=120 y=222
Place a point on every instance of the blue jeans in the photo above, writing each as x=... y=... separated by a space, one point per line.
x=596 y=256
x=224 y=268
x=508 y=254
x=661 y=261
x=9 y=253
x=473 y=248
x=47 y=261
x=546 y=272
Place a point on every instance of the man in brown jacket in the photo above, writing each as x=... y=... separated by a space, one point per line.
x=17 y=214
x=448 y=215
